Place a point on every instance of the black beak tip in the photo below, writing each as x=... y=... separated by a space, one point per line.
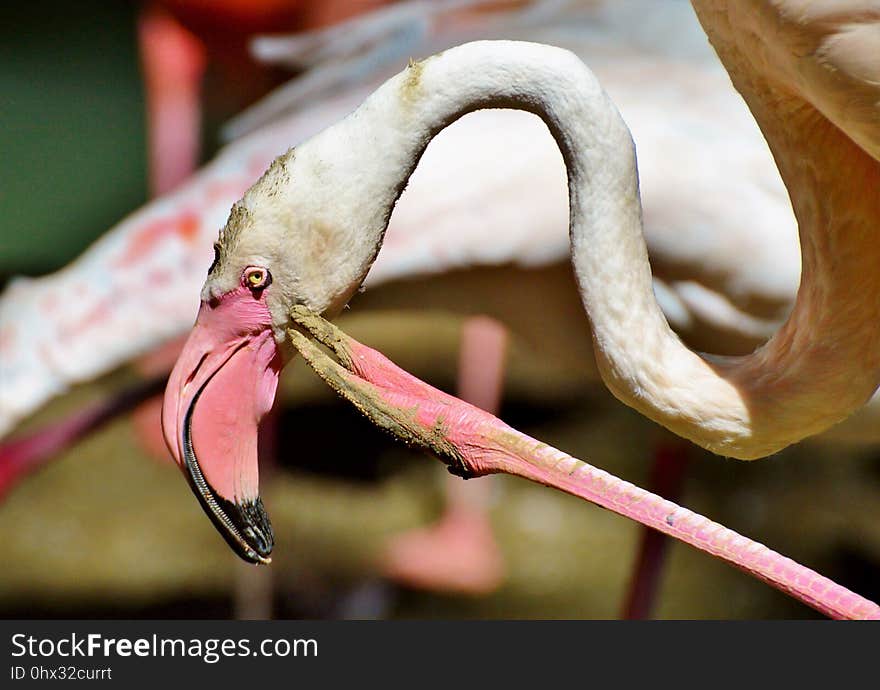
x=255 y=529
x=244 y=525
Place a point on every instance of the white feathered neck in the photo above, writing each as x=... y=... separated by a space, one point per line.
x=321 y=211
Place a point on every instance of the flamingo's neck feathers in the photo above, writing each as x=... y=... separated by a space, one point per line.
x=809 y=74
x=348 y=178
x=343 y=185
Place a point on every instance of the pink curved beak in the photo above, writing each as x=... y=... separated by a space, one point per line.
x=220 y=388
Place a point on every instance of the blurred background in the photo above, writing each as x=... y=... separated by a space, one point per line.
x=106 y=105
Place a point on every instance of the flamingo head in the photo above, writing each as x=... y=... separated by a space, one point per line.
x=305 y=234
x=267 y=260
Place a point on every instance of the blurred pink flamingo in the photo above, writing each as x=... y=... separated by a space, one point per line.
x=433 y=233
x=272 y=273
x=50 y=342
x=685 y=300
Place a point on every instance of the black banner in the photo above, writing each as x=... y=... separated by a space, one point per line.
x=225 y=653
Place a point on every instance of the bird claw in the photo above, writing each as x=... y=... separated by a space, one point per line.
x=324 y=332
x=337 y=375
x=375 y=400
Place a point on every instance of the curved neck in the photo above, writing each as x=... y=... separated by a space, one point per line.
x=745 y=407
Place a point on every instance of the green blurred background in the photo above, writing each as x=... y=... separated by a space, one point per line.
x=72 y=134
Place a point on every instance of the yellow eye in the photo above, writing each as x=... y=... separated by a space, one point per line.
x=256 y=278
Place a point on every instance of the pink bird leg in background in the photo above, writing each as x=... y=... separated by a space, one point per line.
x=173 y=62
x=667 y=480
x=415 y=249
x=459 y=552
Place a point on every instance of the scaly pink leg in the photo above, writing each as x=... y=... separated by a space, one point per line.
x=474 y=443
x=459 y=553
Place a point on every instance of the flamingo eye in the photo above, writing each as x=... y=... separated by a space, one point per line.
x=256 y=278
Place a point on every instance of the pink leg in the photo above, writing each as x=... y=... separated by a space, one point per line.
x=667 y=477
x=459 y=553
x=173 y=63
x=254 y=587
x=253 y=593
x=474 y=443
x=25 y=454
x=147 y=417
